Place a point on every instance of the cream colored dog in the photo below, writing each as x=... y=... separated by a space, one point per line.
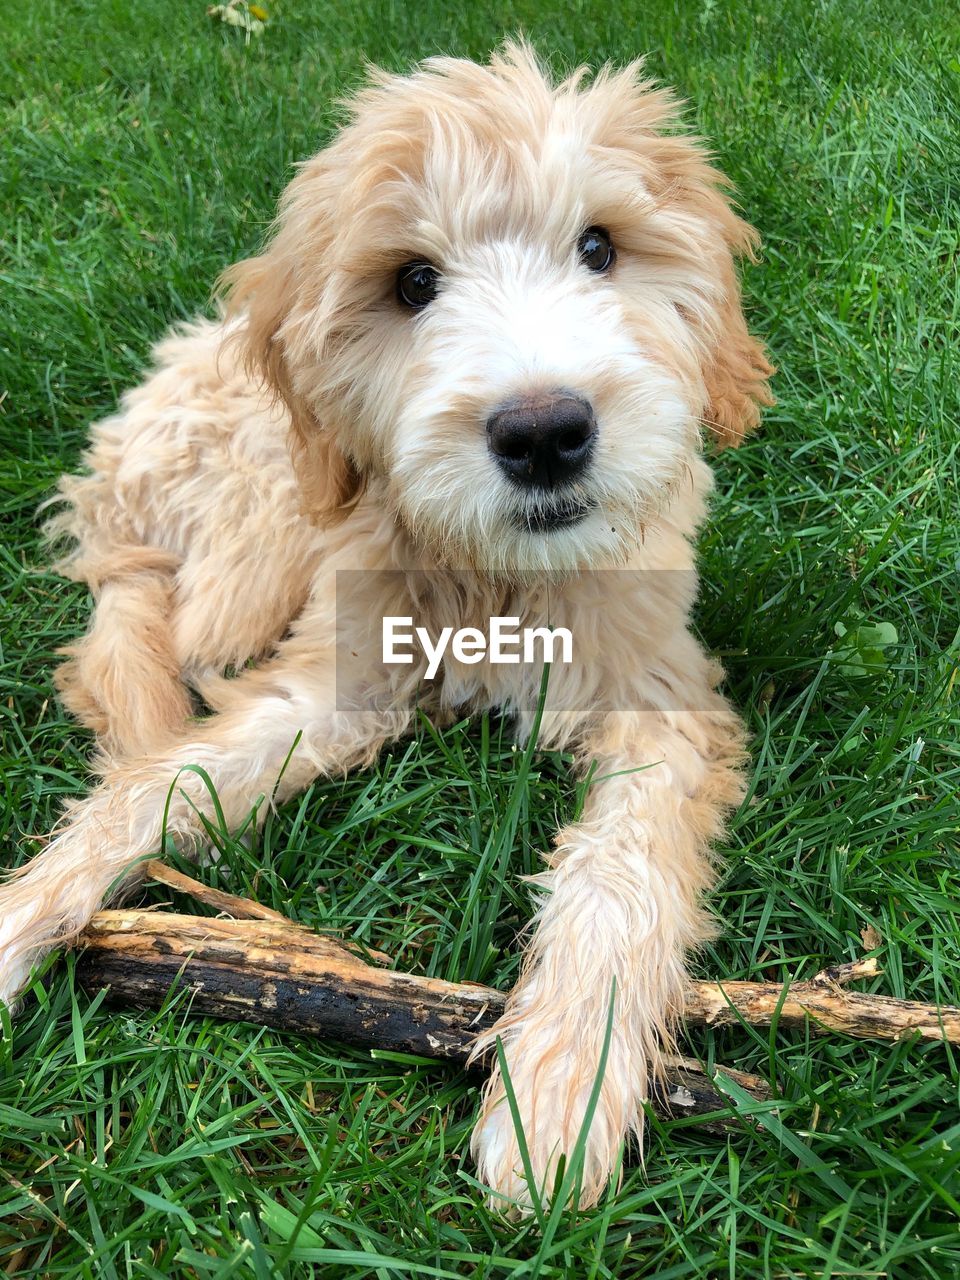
x=492 y=318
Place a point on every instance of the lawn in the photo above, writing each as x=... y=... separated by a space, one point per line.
x=143 y=148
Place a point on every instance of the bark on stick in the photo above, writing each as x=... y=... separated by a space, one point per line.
x=278 y=974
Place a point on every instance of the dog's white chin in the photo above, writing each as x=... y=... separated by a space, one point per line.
x=597 y=541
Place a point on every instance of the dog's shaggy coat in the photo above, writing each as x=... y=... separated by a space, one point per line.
x=322 y=425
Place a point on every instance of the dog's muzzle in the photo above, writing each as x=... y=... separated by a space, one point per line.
x=543 y=441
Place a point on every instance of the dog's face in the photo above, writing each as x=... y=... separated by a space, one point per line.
x=511 y=304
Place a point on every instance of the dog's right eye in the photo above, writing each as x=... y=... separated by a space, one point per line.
x=417 y=284
x=596 y=249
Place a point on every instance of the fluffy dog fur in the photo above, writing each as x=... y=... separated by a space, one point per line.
x=208 y=542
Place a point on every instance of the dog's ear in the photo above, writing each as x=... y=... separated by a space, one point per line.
x=734 y=366
x=643 y=122
x=736 y=371
x=279 y=325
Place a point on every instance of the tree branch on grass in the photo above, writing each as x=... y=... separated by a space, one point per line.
x=262 y=968
x=279 y=974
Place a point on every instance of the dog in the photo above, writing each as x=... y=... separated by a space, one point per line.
x=473 y=365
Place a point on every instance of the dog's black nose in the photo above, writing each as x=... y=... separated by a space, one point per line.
x=543 y=441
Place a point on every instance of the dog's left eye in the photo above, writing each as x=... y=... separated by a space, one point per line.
x=596 y=249
x=417 y=284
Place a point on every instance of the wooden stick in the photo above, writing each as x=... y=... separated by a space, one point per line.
x=229 y=903
x=279 y=974
x=236 y=907
x=712 y=1004
x=819 y=999
x=823 y=1001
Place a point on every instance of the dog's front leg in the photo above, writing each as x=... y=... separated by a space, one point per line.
x=620 y=906
x=280 y=728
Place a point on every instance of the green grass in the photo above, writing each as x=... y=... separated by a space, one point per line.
x=143 y=147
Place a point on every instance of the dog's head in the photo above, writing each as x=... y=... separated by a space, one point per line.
x=509 y=303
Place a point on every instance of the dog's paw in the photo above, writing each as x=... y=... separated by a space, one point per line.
x=552 y=1074
x=14 y=956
